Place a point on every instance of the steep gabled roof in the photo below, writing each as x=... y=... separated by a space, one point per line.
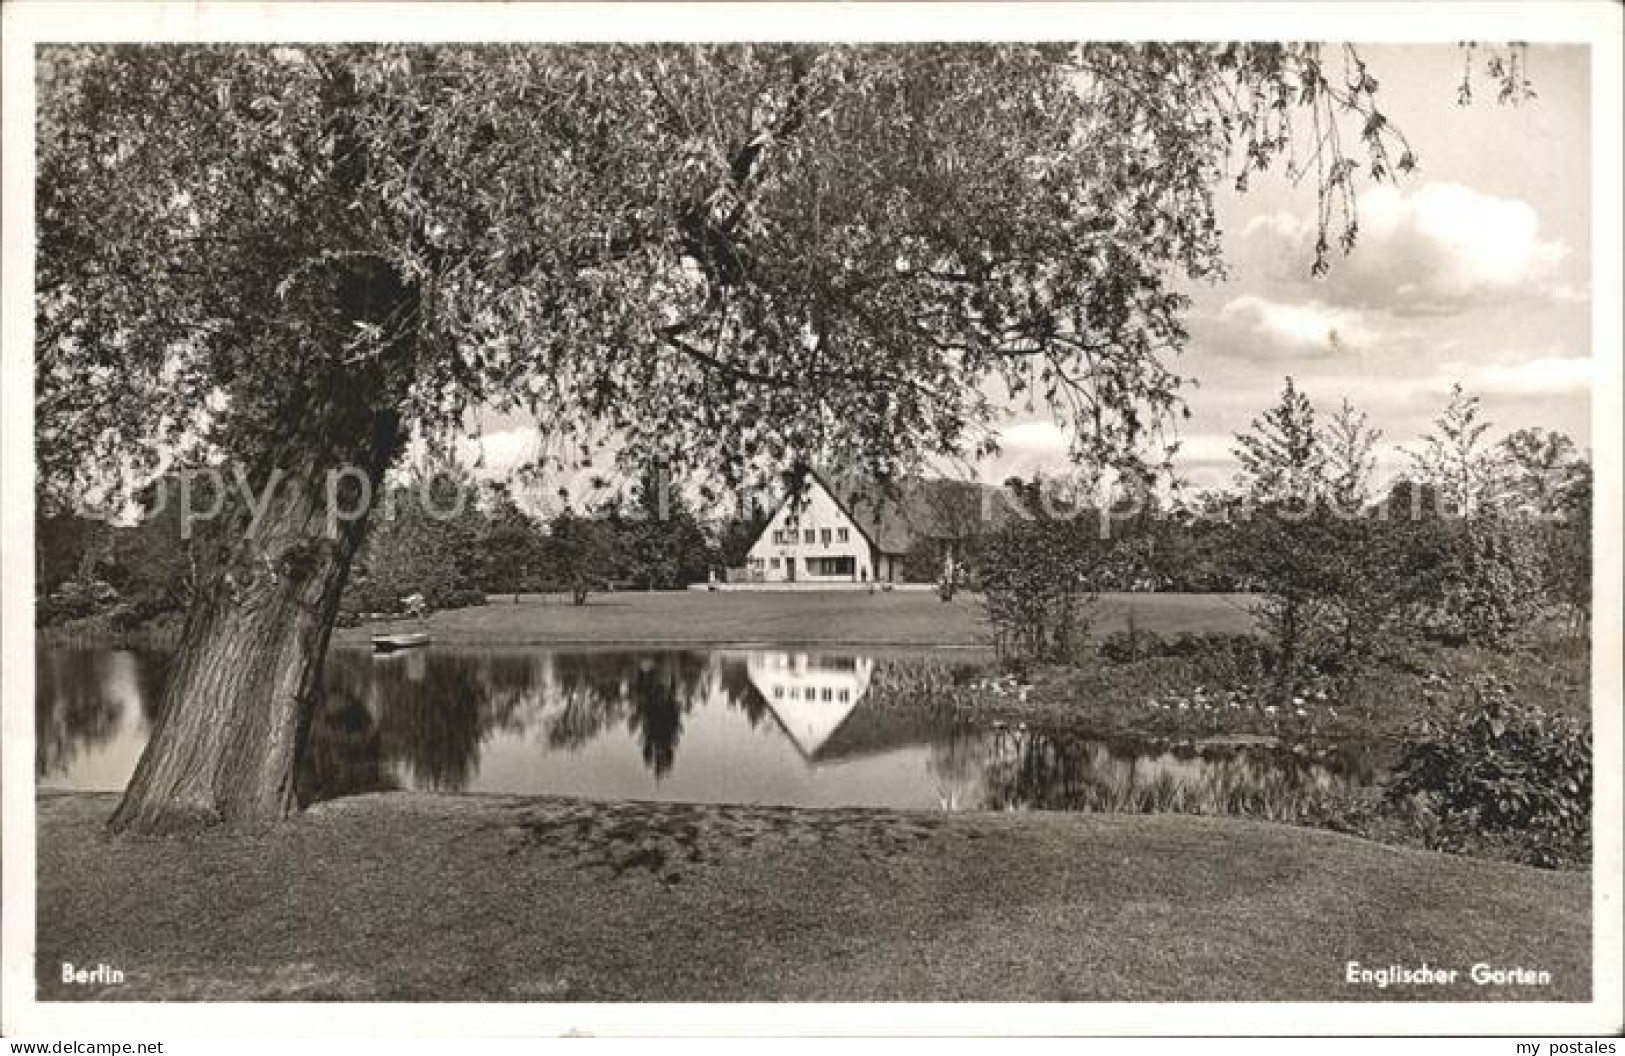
x=894 y=519
x=917 y=508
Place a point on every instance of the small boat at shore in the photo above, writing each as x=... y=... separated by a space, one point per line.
x=394 y=643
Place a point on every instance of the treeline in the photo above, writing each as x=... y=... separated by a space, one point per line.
x=1479 y=543
x=643 y=541
x=439 y=535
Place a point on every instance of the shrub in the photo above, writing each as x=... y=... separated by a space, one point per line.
x=1035 y=577
x=1500 y=770
x=1340 y=595
x=1492 y=588
x=366 y=594
x=462 y=598
x=1131 y=645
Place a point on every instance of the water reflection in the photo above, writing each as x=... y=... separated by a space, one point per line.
x=647 y=692
x=811 y=695
x=791 y=727
x=345 y=754
x=1028 y=770
x=78 y=704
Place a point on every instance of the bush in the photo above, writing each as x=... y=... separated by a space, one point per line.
x=1340 y=595
x=76 y=600
x=459 y=599
x=1035 y=583
x=1492 y=588
x=1500 y=771
x=1128 y=646
x=365 y=594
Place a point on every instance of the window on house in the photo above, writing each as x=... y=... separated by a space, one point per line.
x=842 y=534
x=824 y=536
x=778 y=692
x=846 y=695
x=828 y=695
x=809 y=535
x=772 y=562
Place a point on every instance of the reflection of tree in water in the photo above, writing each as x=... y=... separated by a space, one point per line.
x=1027 y=770
x=591 y=696
x=650 y=692
x=151 y=672
x=345 y=754
x=740 y=693
x=73 y=708
x=434 y=711
x=430 y=712
x=955 y=766
x=1031 y=770
x=663 y=689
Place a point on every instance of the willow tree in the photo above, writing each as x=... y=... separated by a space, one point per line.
x=289 y=261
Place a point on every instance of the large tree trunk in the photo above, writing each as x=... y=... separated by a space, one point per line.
x=237 y=708
x=239 y=698
x=235 y=712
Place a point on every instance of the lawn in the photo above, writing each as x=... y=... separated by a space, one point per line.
x=912 y=618
x=450 y=898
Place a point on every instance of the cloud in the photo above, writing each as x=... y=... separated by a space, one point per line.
x=1435 y=250
x=1272 y=329
x=1547 y=376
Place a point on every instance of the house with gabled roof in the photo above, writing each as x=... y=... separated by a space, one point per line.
x=837 y=532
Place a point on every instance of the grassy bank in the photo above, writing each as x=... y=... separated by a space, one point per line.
x=806 y=617
x=415 y=897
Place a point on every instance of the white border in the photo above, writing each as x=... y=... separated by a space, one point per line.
x=28 y=22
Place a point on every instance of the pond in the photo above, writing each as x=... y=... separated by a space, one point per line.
x=787 y=727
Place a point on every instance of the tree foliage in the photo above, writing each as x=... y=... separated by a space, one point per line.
x=659 y=543
x=769 y=252
x=1492 y=585
x=1456 y=460
x=1541 y=471
x=581 y=553
x=1283 y=460
x=1339 y=586
x=1038 y=580
x=1349 y=443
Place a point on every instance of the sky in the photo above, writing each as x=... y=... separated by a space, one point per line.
x=1475 y=268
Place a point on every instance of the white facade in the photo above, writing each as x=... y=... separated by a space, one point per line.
x=814 y=541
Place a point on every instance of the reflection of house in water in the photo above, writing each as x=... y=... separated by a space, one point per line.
x=816 y=699
x=811 y=694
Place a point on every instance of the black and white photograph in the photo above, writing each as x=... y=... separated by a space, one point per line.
x=747 y=508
